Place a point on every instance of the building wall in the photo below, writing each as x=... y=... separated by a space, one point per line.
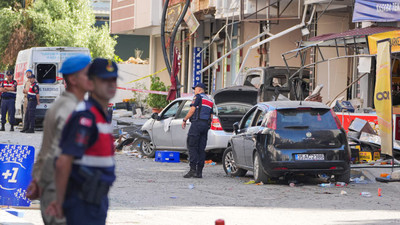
x=332 y=75
x=249 y=30
x=122 y=15
x=285 y=43
x=160 y=64
x=127 y=73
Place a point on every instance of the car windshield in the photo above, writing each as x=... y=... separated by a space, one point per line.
x=305 y=119
x=233 y=109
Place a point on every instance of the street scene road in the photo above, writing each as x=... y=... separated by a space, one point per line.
x=199 y=112
x=149 y=192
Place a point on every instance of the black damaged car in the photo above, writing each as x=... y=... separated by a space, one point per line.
x=282 y=138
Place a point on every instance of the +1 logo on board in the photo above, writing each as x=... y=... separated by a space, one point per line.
x=16 y=163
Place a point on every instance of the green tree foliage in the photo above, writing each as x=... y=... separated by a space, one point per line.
x=155 y=100
x=54 y=23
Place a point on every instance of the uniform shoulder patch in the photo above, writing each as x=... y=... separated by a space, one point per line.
x=86 y=122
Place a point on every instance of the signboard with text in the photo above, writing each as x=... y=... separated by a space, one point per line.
x=16 y=163
x=197 y=64
x=376 y=11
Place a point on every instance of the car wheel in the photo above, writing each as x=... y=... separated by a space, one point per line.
x=229 y=164
x=259 y=175
x=147 y=148
x=345 y=177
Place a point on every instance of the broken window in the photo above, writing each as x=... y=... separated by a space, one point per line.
x=46 y=73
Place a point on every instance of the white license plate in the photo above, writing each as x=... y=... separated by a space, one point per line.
x=310 y=157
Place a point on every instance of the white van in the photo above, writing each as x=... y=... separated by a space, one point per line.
x=45 y=62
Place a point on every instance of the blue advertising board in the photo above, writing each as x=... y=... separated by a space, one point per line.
x=197 y=64
x=376 y=11
x=16 y=163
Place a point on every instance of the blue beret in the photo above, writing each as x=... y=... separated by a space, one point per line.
x=201 y=85
x=74 y=64
x=28 y=70
x=103 y=68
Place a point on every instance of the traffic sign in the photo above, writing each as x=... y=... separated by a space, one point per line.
x=16 y=163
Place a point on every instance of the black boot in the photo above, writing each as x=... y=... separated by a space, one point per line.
x=24 y=130
x=12 y=128
x=199 y=173
x=30 y=131
x=2 y=127
x=190 y=174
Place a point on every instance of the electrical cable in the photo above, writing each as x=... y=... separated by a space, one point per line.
x=171 y=47
x=163 y=47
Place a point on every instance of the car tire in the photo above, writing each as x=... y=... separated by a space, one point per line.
x=258 y=170
x=147 y=148
x=229 y=164
x=345 y=177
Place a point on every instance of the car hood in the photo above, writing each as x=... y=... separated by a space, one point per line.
x=242 y=94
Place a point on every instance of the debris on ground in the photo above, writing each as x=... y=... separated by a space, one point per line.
x=210 y=163
x=250 y=182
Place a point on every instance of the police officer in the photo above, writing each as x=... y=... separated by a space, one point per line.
x=85 y=170
x=27 y=85
x=75 y=73
x=9 y=89
x=33 y=100
x=200 y=116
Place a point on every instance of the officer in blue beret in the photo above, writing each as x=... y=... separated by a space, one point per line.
x=87 y=135
x=9 y=89
x=27 y=85
x=42 y=186
x=199 y=114
x=33 y=100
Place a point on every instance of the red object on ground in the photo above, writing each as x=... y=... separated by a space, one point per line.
x=219 y=222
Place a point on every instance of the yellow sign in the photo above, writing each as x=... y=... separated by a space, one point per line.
x=383 y=96
x=394 y=40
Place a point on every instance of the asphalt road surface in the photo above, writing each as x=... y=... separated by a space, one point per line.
x=149 y=192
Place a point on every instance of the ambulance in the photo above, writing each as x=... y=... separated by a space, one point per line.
x=45 y=62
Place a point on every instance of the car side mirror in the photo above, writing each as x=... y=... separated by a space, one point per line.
x=236 y=127
x=154 y=116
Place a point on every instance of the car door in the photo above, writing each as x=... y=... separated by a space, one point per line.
x=238 y=139
x=179 y=135
x=250 y=137
x=161 y=132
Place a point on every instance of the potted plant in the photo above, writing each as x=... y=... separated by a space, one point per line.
x=155 y=101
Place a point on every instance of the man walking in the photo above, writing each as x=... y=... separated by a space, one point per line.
x=75 y=73
x=85 y=169
x=9 y=89
x=200 y=116
x=33 y=100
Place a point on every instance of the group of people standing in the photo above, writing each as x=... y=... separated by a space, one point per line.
x=75 y=166
x=8 y=90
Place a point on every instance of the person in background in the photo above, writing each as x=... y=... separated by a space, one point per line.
x=85 y=170
x=27 y=85
x=42 y=186
x=33 y=100
x=9 y=89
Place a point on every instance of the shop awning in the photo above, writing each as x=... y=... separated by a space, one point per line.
x=351 y=36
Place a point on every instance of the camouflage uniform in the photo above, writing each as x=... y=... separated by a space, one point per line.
x=43 y=170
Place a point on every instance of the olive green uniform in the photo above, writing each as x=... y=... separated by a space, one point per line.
x=43 y=170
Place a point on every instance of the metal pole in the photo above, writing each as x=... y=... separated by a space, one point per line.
x=234 y=50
